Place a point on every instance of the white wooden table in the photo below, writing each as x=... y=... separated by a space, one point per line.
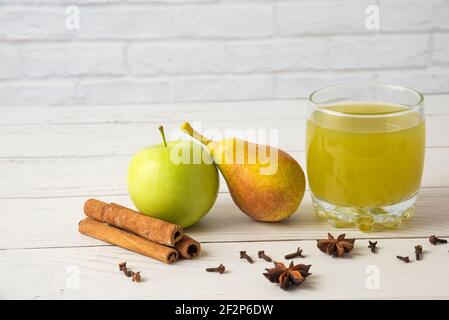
x=53 y=158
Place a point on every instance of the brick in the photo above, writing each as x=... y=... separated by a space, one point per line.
x=33 y=24
x=414 y=15
x=425 y=81
x=34 y=94
x=123 y=91
x=10 y=62
x=224 y=88
x=251 y=57
x=177 y=59
x=294 y=86
x=173 y=1
x=371 y=52
x=224 y=22
x=59 y=2
x=266 y=56
x=379 y=51
x=104 y=23
x=301 y=85
x=279 y=55
x=440 y=49
x=302 y=54
x=322 y=18
x=73 y=60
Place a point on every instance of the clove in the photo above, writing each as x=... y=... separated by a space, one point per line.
x=221 y=269
x=136 y=277
x=372 y=246
x=418 y=252
x=124 y=269
x=243 y=255
x=434 y=240
x=405 y=259
x=261 y=254
x=122 y=266
x=297 y=254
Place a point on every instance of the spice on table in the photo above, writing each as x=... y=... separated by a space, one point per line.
x=434 y=240
x=122 y=266
x=220 y=269
x=187 y=247
x=132 y=221
x=405 y=259
x=137 y=232
x=127 y=240
x=418 y=252
x=136 y=277
x=124 y=269
x=297 y=254
x=261 y=254
x=293 y=275
x=336 y=247
x=372 y=246
x=243 y=255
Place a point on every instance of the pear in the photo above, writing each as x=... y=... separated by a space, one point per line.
x=265 y=182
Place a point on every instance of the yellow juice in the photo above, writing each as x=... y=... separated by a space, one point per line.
x=369 y=158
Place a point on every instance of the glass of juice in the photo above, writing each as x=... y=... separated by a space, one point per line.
x=365 y=147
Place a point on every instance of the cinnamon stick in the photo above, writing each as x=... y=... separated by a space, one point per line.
x=124 y=218
x=127 y=240
x=187 y=247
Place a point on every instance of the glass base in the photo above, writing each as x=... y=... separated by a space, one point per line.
x=366 y=219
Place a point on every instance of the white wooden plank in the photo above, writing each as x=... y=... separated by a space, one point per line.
x=37 y=223
x=76 y=161
x=107 y=175
x=54 y=273
x=227 y=111
x=82 y=140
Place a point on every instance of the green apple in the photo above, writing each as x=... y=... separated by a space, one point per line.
x=168 y=182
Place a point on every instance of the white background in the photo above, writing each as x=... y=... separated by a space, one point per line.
x=138 y=52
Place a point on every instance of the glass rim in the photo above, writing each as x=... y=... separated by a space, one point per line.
x=416 y=107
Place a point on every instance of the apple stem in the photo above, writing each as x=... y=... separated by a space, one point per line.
x=161 y=130
x=187 y=128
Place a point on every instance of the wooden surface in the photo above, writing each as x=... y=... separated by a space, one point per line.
x=53 y=158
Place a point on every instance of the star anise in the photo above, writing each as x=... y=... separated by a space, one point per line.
x=293 y=275
x=335 y=247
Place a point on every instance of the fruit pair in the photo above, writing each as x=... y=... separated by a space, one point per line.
x=266 y=183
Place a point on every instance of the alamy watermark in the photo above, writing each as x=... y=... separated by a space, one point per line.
x=251 y=146
x=72 y=20
x=72 y=281
x=372 y=281
x=372 y=21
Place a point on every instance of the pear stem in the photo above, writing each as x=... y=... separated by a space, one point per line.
x=187 y=128
x=161 y=130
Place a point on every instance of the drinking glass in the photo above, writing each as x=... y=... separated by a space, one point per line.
x=365 y=146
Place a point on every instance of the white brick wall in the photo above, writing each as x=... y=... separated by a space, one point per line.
x=143 y=51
